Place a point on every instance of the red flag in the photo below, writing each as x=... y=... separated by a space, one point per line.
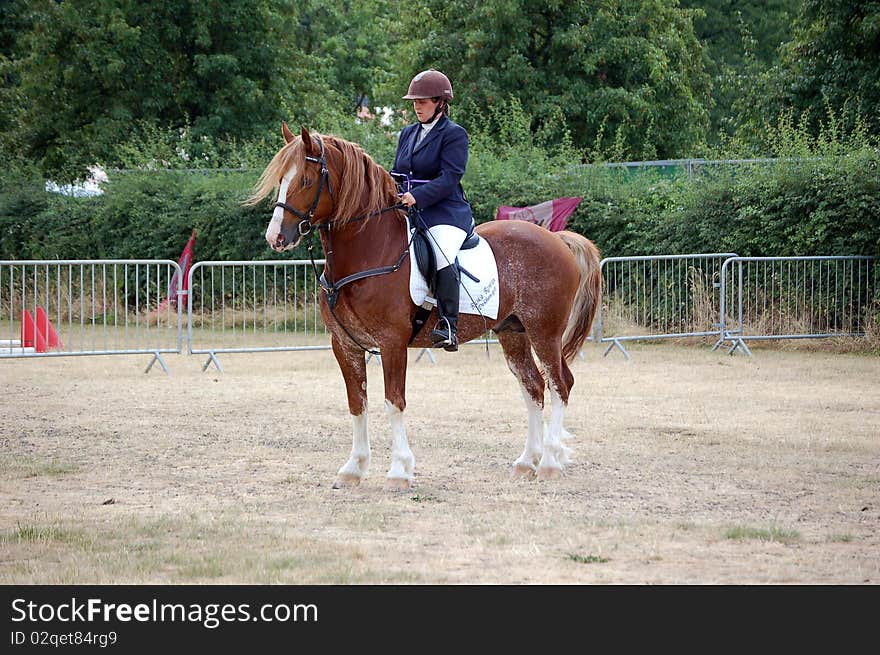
x=185 y=263
x=552 y=214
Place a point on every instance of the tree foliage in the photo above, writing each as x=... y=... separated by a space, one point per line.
x=353 y=41
x=722 y=25
x=742 y=40
x=91 y=71
x=626 y=76
x=205 y=82
x=834 y=60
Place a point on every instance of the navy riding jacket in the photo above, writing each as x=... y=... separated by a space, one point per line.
x=441 y=158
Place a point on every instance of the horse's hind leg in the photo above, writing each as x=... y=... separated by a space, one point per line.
x=560 y=381
x=518 y=352
x=354 y=370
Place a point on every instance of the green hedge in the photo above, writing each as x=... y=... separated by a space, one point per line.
x=140 y=215
x=813 y=206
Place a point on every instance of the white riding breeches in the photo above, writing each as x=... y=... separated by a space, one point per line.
x=446 y=241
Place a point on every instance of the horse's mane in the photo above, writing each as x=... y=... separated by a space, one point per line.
x=290 y=154
x=365 y=186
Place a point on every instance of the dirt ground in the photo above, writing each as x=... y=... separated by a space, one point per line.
x=690 y=467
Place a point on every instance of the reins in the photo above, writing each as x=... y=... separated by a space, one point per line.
x=305 y=228
x=332 y=289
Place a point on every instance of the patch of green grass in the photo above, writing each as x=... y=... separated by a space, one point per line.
x=773 y=533
x=198 y=570
x=841 y=538
x=138 y=547
x=587 y=559
x=34 y=468
x=193 y=566
x=53 y=468
x=418 y=498
x=284 y=563
x=345 y=574
x=43 y=534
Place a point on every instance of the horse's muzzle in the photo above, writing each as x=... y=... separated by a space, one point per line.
x=281 y=244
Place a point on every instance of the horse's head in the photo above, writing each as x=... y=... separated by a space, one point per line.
x=320 y=180
x=305 y=191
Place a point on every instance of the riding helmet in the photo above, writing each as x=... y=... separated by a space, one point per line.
x=429 y=84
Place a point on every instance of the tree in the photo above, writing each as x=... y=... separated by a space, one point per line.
x=721 y=25
x=89 y=71
x=15 y=19
x=353 y=40
x=833 y=62
x=742 y=39
x=626 y=76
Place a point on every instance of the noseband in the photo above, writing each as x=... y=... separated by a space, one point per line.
x=305 y=223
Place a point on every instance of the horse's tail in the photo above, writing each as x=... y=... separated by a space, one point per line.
x=587 y=298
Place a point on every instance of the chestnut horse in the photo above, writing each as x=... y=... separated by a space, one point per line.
x=548 y=283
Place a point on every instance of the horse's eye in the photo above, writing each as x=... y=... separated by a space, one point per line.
x=306 y=182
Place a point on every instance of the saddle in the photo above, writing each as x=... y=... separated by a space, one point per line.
x=426 y=261
x=424 y=253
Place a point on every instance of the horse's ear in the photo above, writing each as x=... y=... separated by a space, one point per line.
x=288 y=135
x=307 y=141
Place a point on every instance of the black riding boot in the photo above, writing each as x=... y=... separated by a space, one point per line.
x=444 y=335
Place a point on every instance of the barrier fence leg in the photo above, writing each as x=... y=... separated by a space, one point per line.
x=212 y=358
x=426 y=351
x=157 y=358
x=616 y=342
x=738 y=343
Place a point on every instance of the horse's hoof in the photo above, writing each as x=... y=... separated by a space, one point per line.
x=346 y=481
x=547 y=473
x=397 y=484
x=522 y=472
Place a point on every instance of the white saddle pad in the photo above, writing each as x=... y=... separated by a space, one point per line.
x=476 y=297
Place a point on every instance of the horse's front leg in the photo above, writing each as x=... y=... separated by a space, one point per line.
x=354 y=370
x=400 y=475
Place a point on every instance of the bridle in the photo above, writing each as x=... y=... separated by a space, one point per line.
x=306 y=227
x=305 y=223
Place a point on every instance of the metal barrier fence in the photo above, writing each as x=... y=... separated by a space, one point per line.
x=253 y=306
x=797 y=298
x=89 y=307
x=132 y=306
x=659 y=297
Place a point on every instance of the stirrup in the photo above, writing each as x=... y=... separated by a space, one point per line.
x=444 y=337
x=449 y=344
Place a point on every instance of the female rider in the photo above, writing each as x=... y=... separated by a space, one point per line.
x=433 y=154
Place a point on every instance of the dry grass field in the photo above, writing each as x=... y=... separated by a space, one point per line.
x=690 y=467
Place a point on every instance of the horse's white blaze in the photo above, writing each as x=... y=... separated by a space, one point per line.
x=274 y=228
x=402 y=459
x=534 y=438
x=359 y=462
